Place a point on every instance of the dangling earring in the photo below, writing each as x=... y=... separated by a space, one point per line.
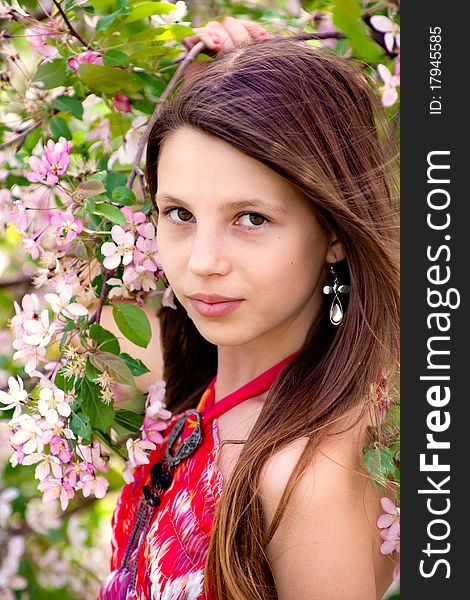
x=336 y=310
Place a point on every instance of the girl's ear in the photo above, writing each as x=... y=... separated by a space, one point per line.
x=335 y=251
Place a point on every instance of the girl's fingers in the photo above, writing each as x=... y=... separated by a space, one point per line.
x=225 y=34
x=256 y=30
x=237 y=31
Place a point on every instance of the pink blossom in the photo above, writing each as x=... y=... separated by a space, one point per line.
x=121 y=103
x=15 y=396
x=121 y=249
x=101 y=131
x=60 y=448
x=27 y=434
x=61 y=302
x=96 y=485
x=155 y=413
x=150 y=430
x=38 y=332
x=19 y=216
x=28 y=354
x=156 y=392
x=141 y=278
x=40 y=172
x=147 y=230
x=57 y=155
x=388 y=91
x=89 y=57
x=66 y=224
x=54 y=489
x=47 y=465
x=55 y=161
x=146 y=254
x=122 y=288
x=325 y=25
x=389 y=523
x=94 y=454
x=168 y=298
x=397 y=65
x=52 y=403
x=137 y=451
x=389 y=28
x=37 y=38
x=32 y=247
x=133 y=218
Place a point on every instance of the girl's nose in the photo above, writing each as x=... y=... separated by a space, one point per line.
x=208 y=254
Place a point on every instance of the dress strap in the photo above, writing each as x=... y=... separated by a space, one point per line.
x=253 y=388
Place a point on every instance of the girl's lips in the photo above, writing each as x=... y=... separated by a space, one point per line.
x=216 y=309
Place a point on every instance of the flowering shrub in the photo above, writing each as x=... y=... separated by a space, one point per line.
x=81 y=84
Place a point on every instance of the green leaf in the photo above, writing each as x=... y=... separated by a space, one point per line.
x=135 y=365
x=146 y=9
x=152 y=85
x=91 y=372
x=52 y=74
x=133 y=323
x=115 y=58
x=108 y=20
x=347 y=16
x=60 y=128
x=120 y=123
x=113 y=180
x=130 y=420
x=173 y=32
x=101 y=415
x=112 y=213
x=123 y=194
x=107 y=342
x=155 y=51
x=115 y=366
x=69 y=104
x=90 y=188
x=107 y=80
x=379 y=463
x=30 y=141
x=62 y=382
x=80 y=425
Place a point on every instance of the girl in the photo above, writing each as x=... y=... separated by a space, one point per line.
x=277 y=231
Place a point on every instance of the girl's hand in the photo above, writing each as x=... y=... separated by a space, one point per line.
x=223 y=35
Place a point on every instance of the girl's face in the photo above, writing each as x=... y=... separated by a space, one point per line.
x=231 y=226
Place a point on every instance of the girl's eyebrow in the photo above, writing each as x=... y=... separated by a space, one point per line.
x=237 y=205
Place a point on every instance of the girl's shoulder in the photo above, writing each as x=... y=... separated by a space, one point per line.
x=332 y=513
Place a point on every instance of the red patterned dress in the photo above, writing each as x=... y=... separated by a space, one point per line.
x=171 y=565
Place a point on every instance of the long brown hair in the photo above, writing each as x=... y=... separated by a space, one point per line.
x=313 y=118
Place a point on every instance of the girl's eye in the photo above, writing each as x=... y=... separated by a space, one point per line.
x=181 y=212
x=254 y=220
x=182 y=215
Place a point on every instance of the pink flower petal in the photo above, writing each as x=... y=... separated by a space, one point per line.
x=381 y=23
x=389 y=97
x=388 y=505
x=112 y=262
x=387 y=547
x=108 y=249
x=384 y=521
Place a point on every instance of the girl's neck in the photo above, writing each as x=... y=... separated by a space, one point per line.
x=236 y=367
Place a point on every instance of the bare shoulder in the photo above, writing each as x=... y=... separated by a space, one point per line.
x=327 y=545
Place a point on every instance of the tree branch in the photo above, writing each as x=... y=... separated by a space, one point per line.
x=21 y=138
x=95 y=318
x=70 y=26
x=159 y=107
